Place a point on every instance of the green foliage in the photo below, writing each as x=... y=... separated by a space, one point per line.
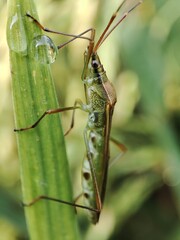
x=42 y=152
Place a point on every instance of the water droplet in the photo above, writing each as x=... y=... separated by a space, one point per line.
x=43 y=49
x=16 y=35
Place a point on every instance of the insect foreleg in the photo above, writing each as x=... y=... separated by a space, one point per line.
x=61 y=33
x=56 y=32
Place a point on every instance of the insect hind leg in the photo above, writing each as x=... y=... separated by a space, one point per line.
x=47 y=198
x=122 y=148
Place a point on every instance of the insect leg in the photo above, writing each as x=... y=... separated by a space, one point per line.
x=37 y=199
x=122 y=148
x=61 y=33
x=56 y=32
x=82 y=107
x=74 y=37
x=78 y=197
x=48 y=112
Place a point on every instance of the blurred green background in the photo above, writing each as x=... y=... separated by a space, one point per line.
x=142 y=58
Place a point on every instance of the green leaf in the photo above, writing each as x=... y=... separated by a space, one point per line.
x=43 y=162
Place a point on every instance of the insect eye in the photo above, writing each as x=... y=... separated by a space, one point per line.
x=95 y=64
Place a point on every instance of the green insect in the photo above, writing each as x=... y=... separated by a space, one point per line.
x=100 y=101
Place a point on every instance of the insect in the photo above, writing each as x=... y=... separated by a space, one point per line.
x=100 y=101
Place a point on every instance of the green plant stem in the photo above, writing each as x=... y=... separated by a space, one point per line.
x=42 y=154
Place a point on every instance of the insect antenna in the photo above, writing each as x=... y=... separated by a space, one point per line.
x=106 y=33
